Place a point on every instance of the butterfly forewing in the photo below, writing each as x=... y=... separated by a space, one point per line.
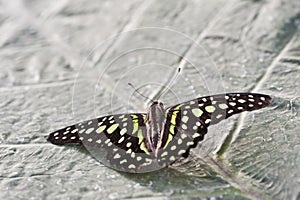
x=187 y=123
x=116 y=140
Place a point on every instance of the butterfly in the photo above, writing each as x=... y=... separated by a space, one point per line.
x=142 y=142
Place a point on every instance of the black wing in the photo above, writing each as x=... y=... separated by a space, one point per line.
x=187 y=123
x=118 y=141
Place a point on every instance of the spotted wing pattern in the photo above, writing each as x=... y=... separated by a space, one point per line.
x=187 y=123
x=117 y=140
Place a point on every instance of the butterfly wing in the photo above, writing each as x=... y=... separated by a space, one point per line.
x=187 y=123
x=118 y=141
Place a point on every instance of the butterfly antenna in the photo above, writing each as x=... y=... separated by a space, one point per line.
x=170 y=84
x=136 y=90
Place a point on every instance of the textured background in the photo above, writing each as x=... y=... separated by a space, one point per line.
x=66 y=61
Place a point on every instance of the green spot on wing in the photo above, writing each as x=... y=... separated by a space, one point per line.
x=197 y=112
x=172 y=158
x=140 y=135
x=185 y=119
x=89 y=130
x=223 y=106
x=101 y=129
x=210 y=109
x=112 y=128
x=170 y=137
x=143 y=148
x=173 y=117
x=135 y=126
x=172 y=129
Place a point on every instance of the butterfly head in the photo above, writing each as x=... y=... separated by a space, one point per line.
x=157 y=104
x=156 y=108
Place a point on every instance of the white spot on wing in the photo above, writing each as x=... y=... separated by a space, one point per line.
x=179 y=141
x=81 y=131
x=89 y=130
x=123 y=161
x=121 y=139
x=183 y=126
x=185 y=119
x=99 y=124
x=164 y=154
x=117 y=156
x=74 y=130
x=218 y=116
x=131 y=166
x=123 y=131
x=181 y=152
x=242 y=100
x=128 y=144
x=207 y=121
x=232 y=103
x=65 y=133
x=121 y=116
x=98 y=141
x=195 y=135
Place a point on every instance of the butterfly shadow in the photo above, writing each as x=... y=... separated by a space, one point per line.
x=190 y=174
x=184 y=176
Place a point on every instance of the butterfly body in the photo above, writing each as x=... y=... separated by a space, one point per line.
x=155 y=126
x=141 y=142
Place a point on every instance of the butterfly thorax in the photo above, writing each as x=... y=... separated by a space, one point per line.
x=155 y=125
